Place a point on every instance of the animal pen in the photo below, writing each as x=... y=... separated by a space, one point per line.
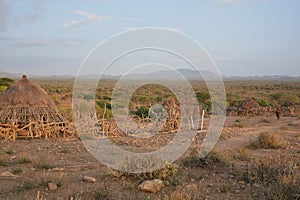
x=26 y=111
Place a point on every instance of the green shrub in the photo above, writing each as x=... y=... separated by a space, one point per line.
x=17 y=171
x=142 y=112
x=2 y=88
x=263 y=103
x=6 y=82
x=88 y=97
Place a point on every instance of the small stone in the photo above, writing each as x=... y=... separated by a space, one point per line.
x=151 y=186
x=52 y=186
x=89 y=179
x=12 y=157
x=8 y=174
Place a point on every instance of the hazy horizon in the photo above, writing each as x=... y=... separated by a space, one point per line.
x=34 y=75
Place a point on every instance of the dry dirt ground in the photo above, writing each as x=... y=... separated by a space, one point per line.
x=223 y=175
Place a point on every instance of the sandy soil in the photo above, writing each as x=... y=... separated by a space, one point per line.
x=39 y=162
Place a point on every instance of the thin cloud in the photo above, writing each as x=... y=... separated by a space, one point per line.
x=134 y=28
x=46 y=43
x=90 y=17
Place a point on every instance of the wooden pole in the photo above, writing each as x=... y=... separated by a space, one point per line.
x=192 y=122
x=202 y=119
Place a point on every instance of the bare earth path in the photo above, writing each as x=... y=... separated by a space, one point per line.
x=246 y=135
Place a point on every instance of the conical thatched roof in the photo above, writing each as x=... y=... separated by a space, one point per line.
x=26 y=101
x=27 y=111
x=26 y=93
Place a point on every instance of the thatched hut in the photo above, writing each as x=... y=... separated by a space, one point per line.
x=26 y=110
x=248 y=107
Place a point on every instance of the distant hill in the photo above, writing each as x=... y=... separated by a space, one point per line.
x=163 y=74
x=262 y=78
x=172 y=75
x=9 y=75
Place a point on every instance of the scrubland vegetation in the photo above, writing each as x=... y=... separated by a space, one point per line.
x=257 y=156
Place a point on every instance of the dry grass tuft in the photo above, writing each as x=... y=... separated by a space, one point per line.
x=24 y=159
x=274 y=177
x=168 y=173
x=243 y=154
x=211 y=160
x=43 y=163
x=4 y=160
x=270 y=140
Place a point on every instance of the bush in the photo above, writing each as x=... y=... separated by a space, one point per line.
x=204 y=99
x=211 y=160
x=142 y=112
x=24 y=160
x=17 y=171
x=2 y=88
x=263 y=103
x=159 y=99
x=277 y=97
x=88 y=97
x=167 y=173
x=103 y=103
x=290 y=99
x=6 y=82
x=274 y=177
x=243 y=154
x=270 y=140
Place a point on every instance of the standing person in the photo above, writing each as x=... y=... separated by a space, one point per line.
x=278 y=112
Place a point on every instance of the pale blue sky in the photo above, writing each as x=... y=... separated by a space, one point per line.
x=244 y=37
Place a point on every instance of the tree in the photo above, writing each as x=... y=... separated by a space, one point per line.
x=277 y=97
x=5 y=83
x=204 y=99
x=142 y=112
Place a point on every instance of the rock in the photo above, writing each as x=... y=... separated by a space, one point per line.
x=12 y=157
x=52 y=186
x=89 y=179
x=8 y=174
x=151 y=186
